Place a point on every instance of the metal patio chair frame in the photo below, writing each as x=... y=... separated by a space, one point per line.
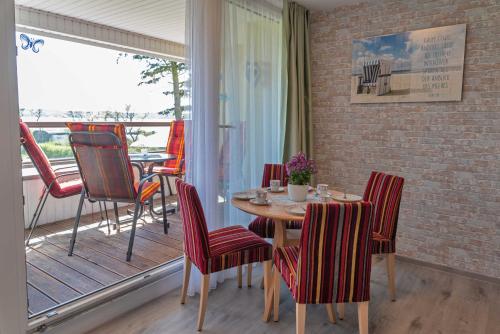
x=117 y=143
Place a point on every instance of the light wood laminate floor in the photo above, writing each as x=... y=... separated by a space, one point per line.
x=428 y=301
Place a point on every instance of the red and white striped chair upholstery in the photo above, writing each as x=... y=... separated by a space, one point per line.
x=384 y=191
x=262 y=226
x=332 y=263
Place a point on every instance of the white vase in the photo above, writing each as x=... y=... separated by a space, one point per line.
x=297 y=193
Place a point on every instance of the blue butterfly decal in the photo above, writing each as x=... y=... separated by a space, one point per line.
x=31 y=43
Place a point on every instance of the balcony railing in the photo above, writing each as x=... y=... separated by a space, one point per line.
x=150 y=135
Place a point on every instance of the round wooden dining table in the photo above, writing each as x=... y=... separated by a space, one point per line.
x=277 y=210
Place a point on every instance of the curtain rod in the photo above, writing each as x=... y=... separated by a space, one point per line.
x=270 y=6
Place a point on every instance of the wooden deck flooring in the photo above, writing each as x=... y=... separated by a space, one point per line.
x=98 y=259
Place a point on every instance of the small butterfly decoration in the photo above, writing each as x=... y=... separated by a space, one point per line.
x=31 y=43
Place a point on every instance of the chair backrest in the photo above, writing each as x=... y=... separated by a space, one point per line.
x=175 y=145
x=38 y=157
x=384 y=191
x=102 y=156
x=196 y=245
x=335 y=253
x=274 y=172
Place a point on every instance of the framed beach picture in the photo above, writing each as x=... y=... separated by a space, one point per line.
x=415 y=66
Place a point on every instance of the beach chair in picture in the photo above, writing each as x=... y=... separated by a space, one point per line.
x=375 y=78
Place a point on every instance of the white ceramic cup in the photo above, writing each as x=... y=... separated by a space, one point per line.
x=261 y=196
x=322 y=189
x=275 y=185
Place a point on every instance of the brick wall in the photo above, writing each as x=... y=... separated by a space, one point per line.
x=448 y=152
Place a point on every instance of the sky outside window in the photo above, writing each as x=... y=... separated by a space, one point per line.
x=66 y=76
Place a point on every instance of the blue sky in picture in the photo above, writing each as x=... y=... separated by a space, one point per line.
x=396 y=48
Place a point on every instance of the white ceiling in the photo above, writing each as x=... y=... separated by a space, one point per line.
x=162 y=19
x=327 y=4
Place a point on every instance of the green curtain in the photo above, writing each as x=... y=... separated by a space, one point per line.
x=298 y=110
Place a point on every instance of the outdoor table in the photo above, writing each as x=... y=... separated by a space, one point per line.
x=153 y=159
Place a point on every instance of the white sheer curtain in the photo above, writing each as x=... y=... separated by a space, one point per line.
x=203 y=22
x=234 y=52
x=251 y=96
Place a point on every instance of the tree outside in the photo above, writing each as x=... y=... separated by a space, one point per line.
x=159 y=68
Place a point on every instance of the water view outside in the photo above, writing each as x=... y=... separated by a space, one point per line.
x=68 y=81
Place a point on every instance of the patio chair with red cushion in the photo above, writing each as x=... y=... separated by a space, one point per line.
x=332 y=263
x=217 y=250
x=55 y=181
x=175 y=146
x=385 y=191
x=101 y=153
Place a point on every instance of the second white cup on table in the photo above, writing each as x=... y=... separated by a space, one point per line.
x=274 y=185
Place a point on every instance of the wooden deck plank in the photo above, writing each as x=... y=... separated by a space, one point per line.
x=109 y=246
x=65 y=274
x=110 y=263
x=87 y=268
x=51 y=287
x=37 y=301
x=98 y=259
x=164 y=239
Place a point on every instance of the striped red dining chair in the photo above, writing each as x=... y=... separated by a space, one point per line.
x=262 y=226
x=55 y=181
x=385 y=191
x=175 y=146
x=217 y=250
x=101 y=153
x=332 y=263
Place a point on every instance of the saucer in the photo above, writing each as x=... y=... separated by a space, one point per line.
x=280 y=190
x=255 y=202
x=297 y=210
x=244 y=195
x=347 y=198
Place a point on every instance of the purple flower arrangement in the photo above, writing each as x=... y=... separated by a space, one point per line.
x=300 y=169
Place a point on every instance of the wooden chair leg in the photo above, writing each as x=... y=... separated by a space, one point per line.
x=277 y=286
x=240 y=275
x=249 y=275
x=341 y=310
x=363 y=317
x=185 y=281
x=300 y=318
x=391 y=275
x=331 y=313
x=267 y=287
x=205 y=280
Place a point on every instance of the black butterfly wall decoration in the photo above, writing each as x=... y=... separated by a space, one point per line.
x=31 y=43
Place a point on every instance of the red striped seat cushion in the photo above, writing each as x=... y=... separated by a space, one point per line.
x=235 y=245
x=166 y=170
x=148 y=190
x=69 y=188
x=44 y=168
x=175 y=145
x=264 y=227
